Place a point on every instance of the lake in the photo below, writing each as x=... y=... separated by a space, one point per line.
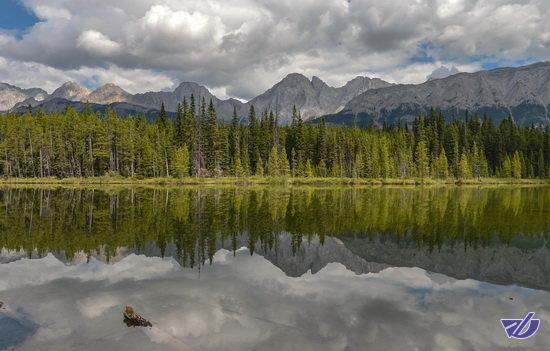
x=273 y=268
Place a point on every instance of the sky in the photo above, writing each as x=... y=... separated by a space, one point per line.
x=240 y=48
x=244 y=302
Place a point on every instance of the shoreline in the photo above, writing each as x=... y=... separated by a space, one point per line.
x=279 y=181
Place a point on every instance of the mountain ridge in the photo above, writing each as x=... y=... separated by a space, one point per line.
x=319 y=97
x=522 y=92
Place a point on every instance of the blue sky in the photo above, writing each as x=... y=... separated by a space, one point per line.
x=14 y=16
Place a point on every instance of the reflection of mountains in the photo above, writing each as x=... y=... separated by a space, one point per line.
x=522 y=263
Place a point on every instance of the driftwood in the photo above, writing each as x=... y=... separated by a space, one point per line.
x=133 y=319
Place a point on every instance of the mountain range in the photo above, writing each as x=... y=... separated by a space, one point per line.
x=312 y=97
x=523 y=92
x=505 y=264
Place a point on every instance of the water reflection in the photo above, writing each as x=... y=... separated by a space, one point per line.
x=277 y=268
x=496 y=234
x=244 y=302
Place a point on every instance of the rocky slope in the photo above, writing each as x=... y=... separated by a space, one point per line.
x=224 y=108
x=524 y=262
x=523 y=92
x=11 y=95
x=71 y=91
x=108 y=94
x=313 y=98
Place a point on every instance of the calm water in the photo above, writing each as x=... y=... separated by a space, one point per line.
x=273 y=268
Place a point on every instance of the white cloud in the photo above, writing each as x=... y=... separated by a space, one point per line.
x=97 y=43
x=46 y=12
x=448 y=8
x=133 y=80
x=242 y=47
x=94 y=306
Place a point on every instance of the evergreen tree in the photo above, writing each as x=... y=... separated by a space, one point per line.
x=163 y=117
x=516 y=165
x=322 y=169
x=309 y=169
x=284 y=164
x=253 y=140
x=441 y=166
x=422 y=161
x=465 y=168
x=273 y=167
x=259 y=167
x=181 y=161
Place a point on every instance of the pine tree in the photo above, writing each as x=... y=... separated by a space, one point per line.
x=284 y=164
x=162 y=118
x=181 y=161
x=516 y=165
x=322 y=169
x=309 y=169
x=253 y=142
x=541 y=171
x=233 y=139
x=259 y=167
x=239 y=169
x=507 y=168
x=358 y=166
x=441 y=166
x=211 y=140
x=180 y=124
x=422 y=161
x=465 y=168
x=273 y=167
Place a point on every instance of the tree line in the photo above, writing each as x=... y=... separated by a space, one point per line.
x=195 y=143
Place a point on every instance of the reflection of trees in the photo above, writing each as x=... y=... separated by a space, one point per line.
x=196 y=220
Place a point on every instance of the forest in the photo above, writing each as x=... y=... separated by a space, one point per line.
x=194 y=143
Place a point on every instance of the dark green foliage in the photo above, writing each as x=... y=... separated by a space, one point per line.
x=89 y=144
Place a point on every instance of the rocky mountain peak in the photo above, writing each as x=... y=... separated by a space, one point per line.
x=108 y=94
x=521 y=92
x=11 y=95
x=294 y=79
x=71 y=91
x=313 y=98
x=318 y=83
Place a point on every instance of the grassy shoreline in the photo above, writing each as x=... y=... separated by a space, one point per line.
x=110 y=180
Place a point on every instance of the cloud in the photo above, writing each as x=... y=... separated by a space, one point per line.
x=134 y=80
x=242 y=47
x=97 y=43
x=244 y=302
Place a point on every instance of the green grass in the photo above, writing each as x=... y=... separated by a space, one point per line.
x=255 y=180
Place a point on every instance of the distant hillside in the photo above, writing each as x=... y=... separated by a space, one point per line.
x=522 y=92
x=312 y=98
x=122 y=108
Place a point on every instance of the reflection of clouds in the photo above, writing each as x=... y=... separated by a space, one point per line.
x=244 y=302
x=94 y=306
x=35 y=272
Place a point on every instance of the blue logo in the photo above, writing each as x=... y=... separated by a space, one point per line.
x=521 y=328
